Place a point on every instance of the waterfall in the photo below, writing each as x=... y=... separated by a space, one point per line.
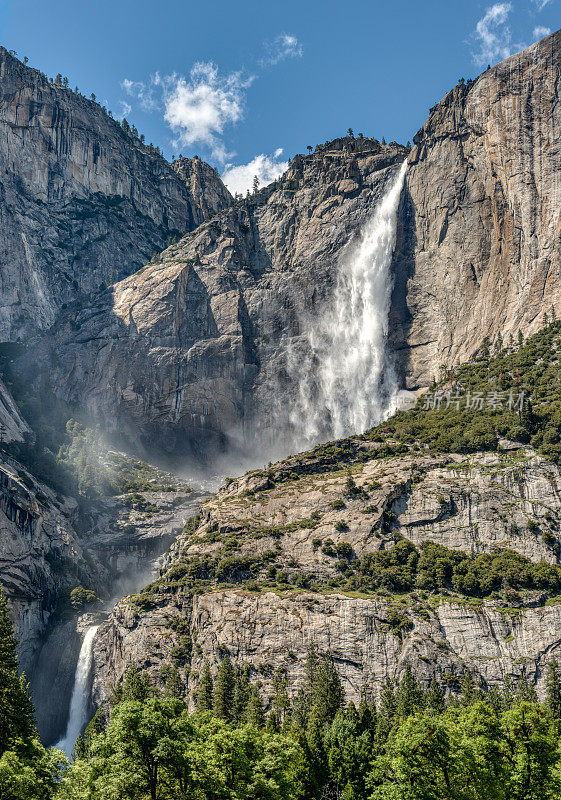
x=345 y=384
x=78 y=714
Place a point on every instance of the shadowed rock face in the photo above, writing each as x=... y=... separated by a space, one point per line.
x=194 y=346
x=82 y=203
x=479 y=247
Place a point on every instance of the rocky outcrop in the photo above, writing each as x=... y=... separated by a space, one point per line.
x=41 y=554
x=190 y=354
x=13 y=427
x=268 y=631
x=284 y=525
x=82 y=202
x=126 y=539
x=479 y=248
x=49 y=545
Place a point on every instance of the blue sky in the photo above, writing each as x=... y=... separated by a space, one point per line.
x=239 y=81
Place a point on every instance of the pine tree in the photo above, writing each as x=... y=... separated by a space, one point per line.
x=387 y=712
x=553 y=687
x=408 y=695
x=241 y=694
x=525 y=692
x=365 y=721
x=318 y=757
x=351 y=714
x=300 y=712
x=205 y=690
x=272 y=723
x=388 y=707
x=327 y=691
x=174 y=685
x=136 y=686
x=223 y=696
x=281 y=701
x=470 y=693
x=16 y=708
x=255 y=714
x=435 y=698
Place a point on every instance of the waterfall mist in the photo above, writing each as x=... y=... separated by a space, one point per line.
x=345 y=383
x=79 y=704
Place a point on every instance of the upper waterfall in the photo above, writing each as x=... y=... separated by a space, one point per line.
x=345 y=384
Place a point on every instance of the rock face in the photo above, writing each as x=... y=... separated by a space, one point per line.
x=280 y=517
x=82 y=203
x=12 y=425
x=480 y=243
x=49 y=545
x=126 y=543
x=41 y=554
x=193 y=350
x=191 y=353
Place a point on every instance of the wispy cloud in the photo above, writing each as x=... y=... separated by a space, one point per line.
x=541 y=4
x=240 y=178
x=540 y=31
x=125 y=109
x=143 y=92
x=286 y=45
x=492 y=35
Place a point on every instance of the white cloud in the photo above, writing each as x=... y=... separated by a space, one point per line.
x=199 y=109
x=540 y=31
x=493 y=35
x=266 y=168
x=541 y=4
x=286 y=45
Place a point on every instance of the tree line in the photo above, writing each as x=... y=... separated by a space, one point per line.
x=416 y=743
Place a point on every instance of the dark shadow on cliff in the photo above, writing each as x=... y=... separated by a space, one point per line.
x=403 y=268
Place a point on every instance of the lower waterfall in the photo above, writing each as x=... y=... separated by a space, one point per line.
x=78 y=714
x=345 y=383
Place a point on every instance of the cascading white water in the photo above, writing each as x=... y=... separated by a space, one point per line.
x=345 y=385
x=77 y=716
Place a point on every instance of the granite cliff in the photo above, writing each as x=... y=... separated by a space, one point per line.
x=190 y=354
x=201 y=350
x=266 y=569
x=480 y=244
x=82 y=201
x=195 y=353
